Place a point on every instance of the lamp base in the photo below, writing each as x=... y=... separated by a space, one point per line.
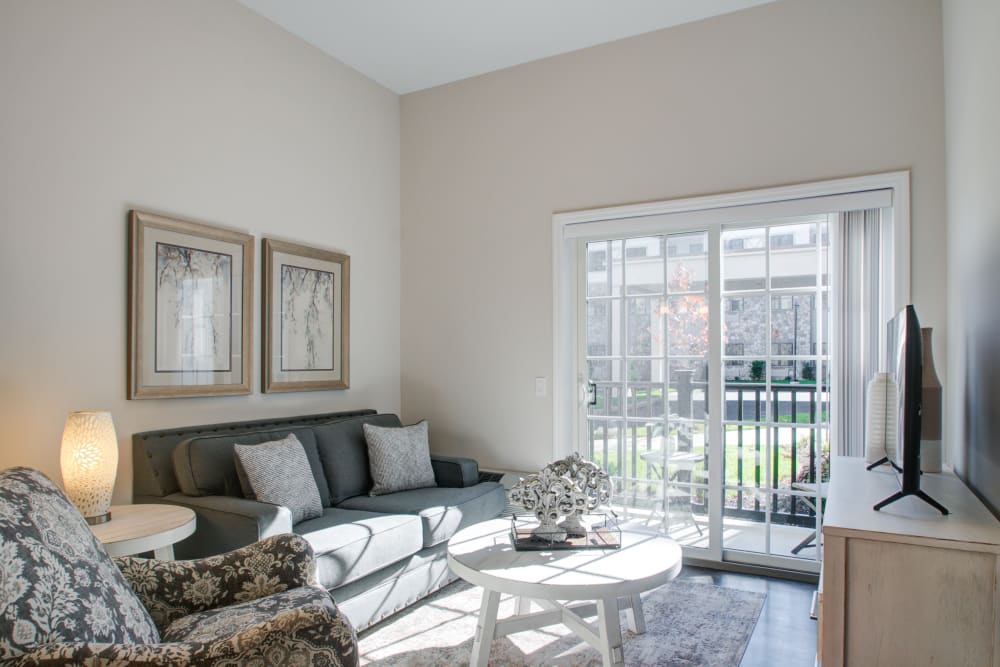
x=99 y=519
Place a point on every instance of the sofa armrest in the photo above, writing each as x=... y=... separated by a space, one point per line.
x=454 y=471
x=226 y=523
x=171 y=589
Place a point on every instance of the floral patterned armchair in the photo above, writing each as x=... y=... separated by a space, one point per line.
x=64 y=601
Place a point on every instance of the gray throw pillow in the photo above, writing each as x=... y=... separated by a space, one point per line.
x=279 y=473
x=399 y=458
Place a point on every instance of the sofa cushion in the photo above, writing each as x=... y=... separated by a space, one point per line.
x=344 y=454
x=351 y=544
x=442 y=511
x=204 y=465
x=278 y=473
x=58 y=584
x=399 y=458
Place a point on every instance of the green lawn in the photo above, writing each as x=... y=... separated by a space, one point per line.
x=800 y=418
x=643 y=471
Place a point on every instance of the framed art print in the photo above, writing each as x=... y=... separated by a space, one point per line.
x=190 y=308
x=306 y=314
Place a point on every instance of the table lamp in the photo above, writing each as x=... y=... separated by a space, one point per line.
x=89 y=462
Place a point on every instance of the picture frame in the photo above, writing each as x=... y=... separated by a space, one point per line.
x=306 y=318
x=190 y=308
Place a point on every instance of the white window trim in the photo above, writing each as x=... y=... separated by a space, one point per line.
x=565 y=376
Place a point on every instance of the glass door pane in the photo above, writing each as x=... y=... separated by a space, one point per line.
x=775 y=296
x=647 y=361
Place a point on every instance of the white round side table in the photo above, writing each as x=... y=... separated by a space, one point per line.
x=557 y=580
x=135 y=529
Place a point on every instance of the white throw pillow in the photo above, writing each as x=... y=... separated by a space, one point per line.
x=399 y=458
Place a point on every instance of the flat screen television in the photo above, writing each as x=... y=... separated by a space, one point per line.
x=905 y=358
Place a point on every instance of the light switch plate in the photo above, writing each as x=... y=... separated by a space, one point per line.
x=540 y=387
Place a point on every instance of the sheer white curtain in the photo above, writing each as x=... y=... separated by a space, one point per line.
x=862 y=281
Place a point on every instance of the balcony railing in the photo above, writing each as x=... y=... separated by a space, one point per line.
x=799 y=452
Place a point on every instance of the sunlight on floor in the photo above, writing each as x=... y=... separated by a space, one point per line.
x=738 y=534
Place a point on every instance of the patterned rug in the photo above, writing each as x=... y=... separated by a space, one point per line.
x=687 y=624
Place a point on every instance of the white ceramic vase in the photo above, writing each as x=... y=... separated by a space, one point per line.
x=880 y=418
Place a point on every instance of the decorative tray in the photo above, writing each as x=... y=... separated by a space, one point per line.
x=602 y=533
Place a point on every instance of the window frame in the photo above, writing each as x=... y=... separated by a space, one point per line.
x=782 y=201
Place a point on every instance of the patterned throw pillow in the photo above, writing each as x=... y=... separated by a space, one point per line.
x=279 y=473
x=399 y=458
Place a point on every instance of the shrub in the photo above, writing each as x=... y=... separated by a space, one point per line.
x=757 y=370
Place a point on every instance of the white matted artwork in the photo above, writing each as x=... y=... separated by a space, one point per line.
x=190 y=308
x=306 y=318
x=194 y=295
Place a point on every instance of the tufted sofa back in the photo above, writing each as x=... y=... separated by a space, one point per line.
x=198 y=461
x=152 y=451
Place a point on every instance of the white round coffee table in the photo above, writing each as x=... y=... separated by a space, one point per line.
x=557 y=581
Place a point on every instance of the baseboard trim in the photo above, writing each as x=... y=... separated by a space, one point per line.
x=740 y=568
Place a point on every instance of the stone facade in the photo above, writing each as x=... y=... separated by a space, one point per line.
x=793 y=331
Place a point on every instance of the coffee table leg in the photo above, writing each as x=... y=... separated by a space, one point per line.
x=611 y=633
x=633 y=613
x=485 y=629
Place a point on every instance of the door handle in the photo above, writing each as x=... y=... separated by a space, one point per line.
x=591 y=394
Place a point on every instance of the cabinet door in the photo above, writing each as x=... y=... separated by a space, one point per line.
x=917 y=605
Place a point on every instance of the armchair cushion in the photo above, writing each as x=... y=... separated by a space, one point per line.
x=312 y=632
x=214 y=624
x=171 y=589
x=57 y=583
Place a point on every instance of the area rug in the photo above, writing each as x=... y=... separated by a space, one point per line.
x=687 y=624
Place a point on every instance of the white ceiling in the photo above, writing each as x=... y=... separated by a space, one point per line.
x=409 y=45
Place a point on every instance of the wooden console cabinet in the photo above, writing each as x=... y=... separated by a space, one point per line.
x=906 y=585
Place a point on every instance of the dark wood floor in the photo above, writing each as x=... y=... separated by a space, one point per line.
x=784 y=635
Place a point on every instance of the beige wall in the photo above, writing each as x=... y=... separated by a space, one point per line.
x=197 y=109
x=787 y=92
x=972 y=60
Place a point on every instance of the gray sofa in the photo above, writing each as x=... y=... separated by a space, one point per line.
x=375 y=554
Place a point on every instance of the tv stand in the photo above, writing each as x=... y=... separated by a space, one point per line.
x=919 y=494
x=907 y=586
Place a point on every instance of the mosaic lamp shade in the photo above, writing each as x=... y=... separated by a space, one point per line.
x=89 y=462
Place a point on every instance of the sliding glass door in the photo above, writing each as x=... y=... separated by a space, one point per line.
x=705 y=364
